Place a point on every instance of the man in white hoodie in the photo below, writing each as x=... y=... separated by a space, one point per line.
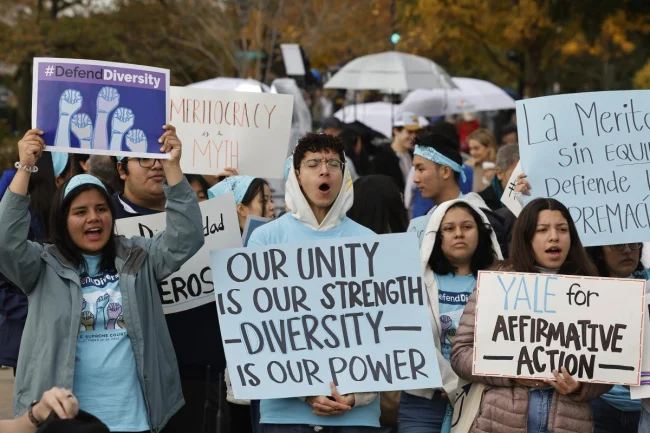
x=318 y=193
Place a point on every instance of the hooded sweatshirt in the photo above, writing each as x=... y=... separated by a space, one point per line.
x=300 y=225
x=451 y=383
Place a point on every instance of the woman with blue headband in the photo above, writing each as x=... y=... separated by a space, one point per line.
x=95 y=323
x=252 y=196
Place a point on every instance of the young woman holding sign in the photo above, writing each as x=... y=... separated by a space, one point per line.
x=252 y=196
x=544 y=240
x=458 y=243
x=95 y=322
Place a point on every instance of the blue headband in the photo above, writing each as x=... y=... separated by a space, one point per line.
x=238 y=185
x=433 y=155
x=59 y=161
x=82 y=179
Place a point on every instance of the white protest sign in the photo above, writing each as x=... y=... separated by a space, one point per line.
x=223 y=128
x=352 y=311
x=510 y=198
x=530 y=324
x=643 y=391
x=591 y=152
x=192 y=285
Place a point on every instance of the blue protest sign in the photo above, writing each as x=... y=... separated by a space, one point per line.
x=351 y=311
x=93 y=107
x=419 y=226
x=591 y=152
x=252 y=223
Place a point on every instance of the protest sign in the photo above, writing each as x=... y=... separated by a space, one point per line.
x=92 y=107
x=510 y=198
x=528 y=325
x=419 y=226
x=223 y=128
x=643 y=391
x=252 y=222
x=351 y=311
x=591 y=152
x=192 y=285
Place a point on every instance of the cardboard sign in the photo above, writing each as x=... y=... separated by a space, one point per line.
x=591 y=152
x=352 y=311
x=192 y=285
x=510 y=198
x=223 y=128
x=103 y=108
x=528 y=325
x=252 y=222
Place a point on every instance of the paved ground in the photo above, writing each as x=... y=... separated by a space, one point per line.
x=6 y=389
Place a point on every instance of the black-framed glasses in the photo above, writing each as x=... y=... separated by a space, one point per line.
x=621 y=247
x=147 y=162
x=333 y=164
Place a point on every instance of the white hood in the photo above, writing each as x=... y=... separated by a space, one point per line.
x=451 y=382
x=299 y=208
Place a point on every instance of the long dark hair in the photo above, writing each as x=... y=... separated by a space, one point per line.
x=484 y=255
x=42 y=186
x=522 y=256
x=378 y=205
x=598 y=257
x=60 y=237
x=254 y=189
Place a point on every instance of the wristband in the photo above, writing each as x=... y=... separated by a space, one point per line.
x=30 y=414
x=31 y=169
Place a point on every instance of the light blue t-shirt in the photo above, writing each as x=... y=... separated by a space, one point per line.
x=453 y=294
x=287 y=229
x=105 y=376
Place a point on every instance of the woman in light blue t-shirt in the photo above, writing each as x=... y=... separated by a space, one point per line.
x=464 y=244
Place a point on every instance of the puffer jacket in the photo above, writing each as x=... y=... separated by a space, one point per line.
x=504 y=407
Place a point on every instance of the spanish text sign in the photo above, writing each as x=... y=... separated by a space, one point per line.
x=591 y=151
x=224 y=128
x=93 y=107
x=528 y=325
x=351 y=311
x=191 y=286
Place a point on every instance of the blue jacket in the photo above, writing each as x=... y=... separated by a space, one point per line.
x=51 y=282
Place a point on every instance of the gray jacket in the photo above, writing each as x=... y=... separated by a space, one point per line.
x=47 y=352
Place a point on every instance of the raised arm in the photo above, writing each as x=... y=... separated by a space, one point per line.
x=19 y=258
x=183 y=235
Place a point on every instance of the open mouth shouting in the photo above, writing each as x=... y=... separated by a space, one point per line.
x=324 y=189
x=554 y=253
x=94 y=234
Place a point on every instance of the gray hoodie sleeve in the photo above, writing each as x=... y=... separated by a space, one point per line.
x=20 y=259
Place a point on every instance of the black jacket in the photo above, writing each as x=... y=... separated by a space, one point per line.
x=387 y=162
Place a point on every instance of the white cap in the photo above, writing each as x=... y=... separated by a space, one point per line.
x=409 y=121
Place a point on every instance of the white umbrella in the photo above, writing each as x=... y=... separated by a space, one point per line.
x=471 y=95
x=375 y=115
x=393 y=71
x=229 y=83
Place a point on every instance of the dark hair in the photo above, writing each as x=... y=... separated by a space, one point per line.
x=484 y=255
x=445 y=146
x=350 y=137
x=42 y=186
x=522 y=256
x=378 y=205
x=508 y=129
x=59 y=235
x=443 y=128
x=313 y=142
x=598 y=257
x=255 y=188
x=197 y=178
x=332 y=123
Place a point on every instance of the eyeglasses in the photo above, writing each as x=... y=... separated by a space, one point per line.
x=621 y=247
x=147 y=162
x=332 y=164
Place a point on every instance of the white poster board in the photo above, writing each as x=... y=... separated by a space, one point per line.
x=223 y=128
x=530 y=324
x=192 y=285
x=510 y=198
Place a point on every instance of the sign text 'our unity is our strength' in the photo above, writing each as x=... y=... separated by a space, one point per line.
x=350 y=311
x=591 y=151
x=528 y=325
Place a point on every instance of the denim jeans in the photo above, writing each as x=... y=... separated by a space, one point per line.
x=538 y=409
x=302 y=428
x=609 y=419
x=421 y=415
x=644 y=424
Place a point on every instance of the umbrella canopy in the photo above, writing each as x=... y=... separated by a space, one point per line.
x=375 y=115
x=228 y=83
x=471 y=95
x=392 y=70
